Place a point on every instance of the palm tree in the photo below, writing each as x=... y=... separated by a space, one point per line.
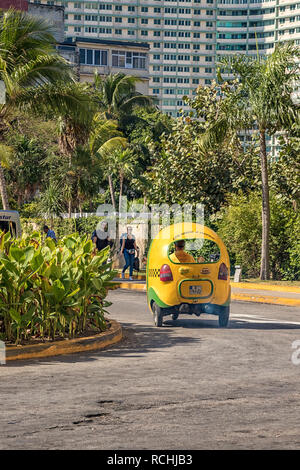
x=51 y=202
x=29 y=65
x=120 y=163
x=105 y=139
x=260 y=99
x=106 y=154
x=117 y=96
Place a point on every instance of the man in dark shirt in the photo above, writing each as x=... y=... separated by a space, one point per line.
x=49 y=233
x=101 y=237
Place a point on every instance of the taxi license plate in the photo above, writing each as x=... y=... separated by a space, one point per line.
x=195 y=290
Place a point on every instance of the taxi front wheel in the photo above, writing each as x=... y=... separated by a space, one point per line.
x=157 y=314
x=224 y=316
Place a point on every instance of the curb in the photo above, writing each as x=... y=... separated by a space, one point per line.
x=266 y=299
x=138 y=277
x=132 y=286
x=242 y=297
x=90 y=343
x=239 y=285
x=272 y=287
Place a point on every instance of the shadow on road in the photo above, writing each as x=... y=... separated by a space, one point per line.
x=140 y=339
x=233 y=324
x=137 y=341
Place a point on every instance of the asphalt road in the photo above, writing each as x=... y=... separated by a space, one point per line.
x=188 y=385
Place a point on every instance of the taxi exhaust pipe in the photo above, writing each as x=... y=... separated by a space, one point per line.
x=184 y=308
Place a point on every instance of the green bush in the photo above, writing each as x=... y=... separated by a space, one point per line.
x=240 y=228
x=62 y=227
x=239 y=225
x=48 y=289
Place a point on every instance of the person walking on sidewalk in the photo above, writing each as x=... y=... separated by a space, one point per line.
x=128 y=249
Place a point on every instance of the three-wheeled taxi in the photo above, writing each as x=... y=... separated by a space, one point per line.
x=188 y=272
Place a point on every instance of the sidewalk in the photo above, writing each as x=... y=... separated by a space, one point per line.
x=246 y=292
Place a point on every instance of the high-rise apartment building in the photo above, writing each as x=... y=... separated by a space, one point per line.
x=185 y=36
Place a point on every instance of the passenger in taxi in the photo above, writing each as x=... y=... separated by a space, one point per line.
x=180 y=255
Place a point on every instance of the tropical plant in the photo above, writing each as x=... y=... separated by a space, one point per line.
x=25 y=174
x=105 y=139
x=49 y=289
x=239 y=225
x=183 y=173
x=285 y=170
x=28 y=60
x=117 y=96
x=259 y=97
x=51 y=202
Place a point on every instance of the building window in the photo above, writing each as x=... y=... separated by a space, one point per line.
x=77 y=17
x=77 y=29
x=118 y=31
x=118 y=7
x=131 y=8
x=93 y=57
x=131 y=20
x=129 y=60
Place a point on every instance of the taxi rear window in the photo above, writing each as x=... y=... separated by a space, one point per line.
x=197 y=251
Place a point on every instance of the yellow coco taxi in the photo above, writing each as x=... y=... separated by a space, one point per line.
x=188 y=272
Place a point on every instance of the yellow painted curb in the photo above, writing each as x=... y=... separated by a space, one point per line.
x=272 y=287
x=267 y=300
x=139 y=277
x=111 y=336
x=244 y=297
x=132 y=286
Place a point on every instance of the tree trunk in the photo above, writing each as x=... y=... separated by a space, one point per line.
x=265 y=257
x=121 y=192
x=3 y=190
x=112 y=192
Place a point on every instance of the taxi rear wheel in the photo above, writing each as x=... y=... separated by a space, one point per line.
x=157 y=314
x=224 y=316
